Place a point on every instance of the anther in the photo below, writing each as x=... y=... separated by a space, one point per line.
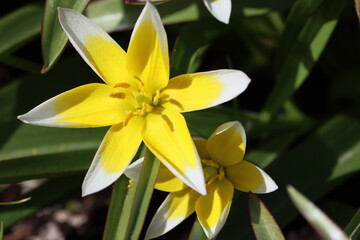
x=117 y=95
x=210 y=163
x=122 y=85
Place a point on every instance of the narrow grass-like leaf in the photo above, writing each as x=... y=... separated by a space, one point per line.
x=301 y=49
x=194 y=38
x=353 y=227
x=144 y=190
x=48 y=193
x=262 y=222
x=52 y=36
x=130 y=202
x=19 y=27
x=114 y=15
x=197 y=232
x=22 y=140
x=15 y=202
x=322 y=224
x=119 y=211
x=1 y=230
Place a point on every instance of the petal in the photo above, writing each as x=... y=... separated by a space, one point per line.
x=166 y=181
x=89 y=105
x=167 y=136
x=212 y=210
x=227 y=144
x=220 y=9
x=176 y=207
x=95 y=46
x=197 y=91
x=148 y=57
x=133 y=170
x=200 y=144
x=114 y=155
x=248 y=177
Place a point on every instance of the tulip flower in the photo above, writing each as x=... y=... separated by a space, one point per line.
x=220 y=9
x=137 y=100
x=224 y=169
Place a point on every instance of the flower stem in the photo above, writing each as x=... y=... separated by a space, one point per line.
x=130 y=202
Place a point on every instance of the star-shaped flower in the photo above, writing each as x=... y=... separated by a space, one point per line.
x=224 y=168
x=137 y=100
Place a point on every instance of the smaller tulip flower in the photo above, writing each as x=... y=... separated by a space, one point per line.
x=224 y=169
x=220 y=9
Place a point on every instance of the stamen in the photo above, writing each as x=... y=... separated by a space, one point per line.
x=156 y=98
x=130 y=183
x=129 y=115
x=119 y=95
x=122 y=85
x=211 y=180
x=139 y=80
x=210 y=163
x=146 y=108
x=221 y=174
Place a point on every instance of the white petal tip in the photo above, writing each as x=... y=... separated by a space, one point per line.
x=195 y=180
x=220 y=9
x=22 y=118
x=268 y=186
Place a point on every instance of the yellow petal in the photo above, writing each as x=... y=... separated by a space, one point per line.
x=200 y=144
x=212 y=210
x=85 y=106
x=114 y=155
x=227 y=144
x=220 y=9
x=176 y=207
x=95 y=46
x=148 y=58
x=167 y=136
x=166 y=181
x=197 y=91
x=248 y=177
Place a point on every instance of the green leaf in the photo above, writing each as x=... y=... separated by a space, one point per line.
x=29 y=152
x=1 y=230
x=193 y=40
x=113 y=15
x=323 y=225
x=133 y=206
x=353 y=227
x=119 y=213
x=300 y=48
x=262 y=222
x=48 y=193
x=197 y=232
x=19 y=27
x=53 y=37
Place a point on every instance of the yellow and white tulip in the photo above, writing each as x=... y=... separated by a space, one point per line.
x=137 y=99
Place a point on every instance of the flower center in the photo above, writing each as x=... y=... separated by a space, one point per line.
x=212 y=171
x=142 y=101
